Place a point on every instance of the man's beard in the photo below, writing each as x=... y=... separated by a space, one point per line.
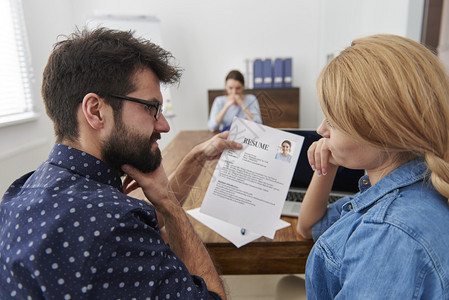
x=124 y=147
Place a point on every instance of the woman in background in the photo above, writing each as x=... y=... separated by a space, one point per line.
x=233 y=104
x=386 y=106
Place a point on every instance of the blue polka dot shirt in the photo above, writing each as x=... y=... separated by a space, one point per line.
x=68 y=232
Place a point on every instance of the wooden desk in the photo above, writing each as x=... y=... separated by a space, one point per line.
x=285 y=254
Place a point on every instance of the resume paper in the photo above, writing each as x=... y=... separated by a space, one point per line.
x=249 y=186
x=230 y=232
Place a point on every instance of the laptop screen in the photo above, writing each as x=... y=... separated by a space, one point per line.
x=346 y=180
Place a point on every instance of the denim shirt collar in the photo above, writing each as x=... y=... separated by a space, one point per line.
x=406 y=174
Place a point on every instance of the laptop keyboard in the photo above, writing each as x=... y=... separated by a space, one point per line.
x=299 y=196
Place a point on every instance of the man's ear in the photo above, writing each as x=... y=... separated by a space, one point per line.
x=94 y=110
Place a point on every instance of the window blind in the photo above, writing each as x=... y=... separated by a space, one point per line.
x=15 y=71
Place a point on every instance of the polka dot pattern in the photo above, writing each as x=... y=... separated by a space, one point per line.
x=68 y=232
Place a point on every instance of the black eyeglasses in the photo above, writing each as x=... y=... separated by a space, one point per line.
x=155 y=106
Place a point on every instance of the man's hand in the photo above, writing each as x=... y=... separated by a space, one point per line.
x=181 y=237
x=212 y=148
x=184 y=177
x=155 y=185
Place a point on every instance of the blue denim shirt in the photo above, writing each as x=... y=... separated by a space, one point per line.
x=389 y=241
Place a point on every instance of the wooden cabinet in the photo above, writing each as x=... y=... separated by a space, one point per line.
x=279 y=107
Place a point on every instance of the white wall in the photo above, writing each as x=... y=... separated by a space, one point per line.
x=345 y=20
x=24 y=146
x=443 y=48
x=208 y=38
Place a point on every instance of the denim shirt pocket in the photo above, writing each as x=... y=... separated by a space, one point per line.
x=332 y=261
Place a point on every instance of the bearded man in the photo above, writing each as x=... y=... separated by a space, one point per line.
x=69 y=230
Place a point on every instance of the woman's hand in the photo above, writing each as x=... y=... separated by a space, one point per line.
x=238 y=99
x=235 y=99
x=314 y=204
x=320 y=157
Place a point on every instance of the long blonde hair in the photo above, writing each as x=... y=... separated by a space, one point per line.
x=392 y=93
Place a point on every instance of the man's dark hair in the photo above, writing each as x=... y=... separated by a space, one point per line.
x=236 y=75
x=98 y=61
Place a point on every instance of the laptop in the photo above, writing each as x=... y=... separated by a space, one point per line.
x=345 y=183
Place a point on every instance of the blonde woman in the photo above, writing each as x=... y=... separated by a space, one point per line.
x=386 y=106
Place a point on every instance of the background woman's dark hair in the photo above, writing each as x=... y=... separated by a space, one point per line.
x=236 y=75
x=99 y=61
